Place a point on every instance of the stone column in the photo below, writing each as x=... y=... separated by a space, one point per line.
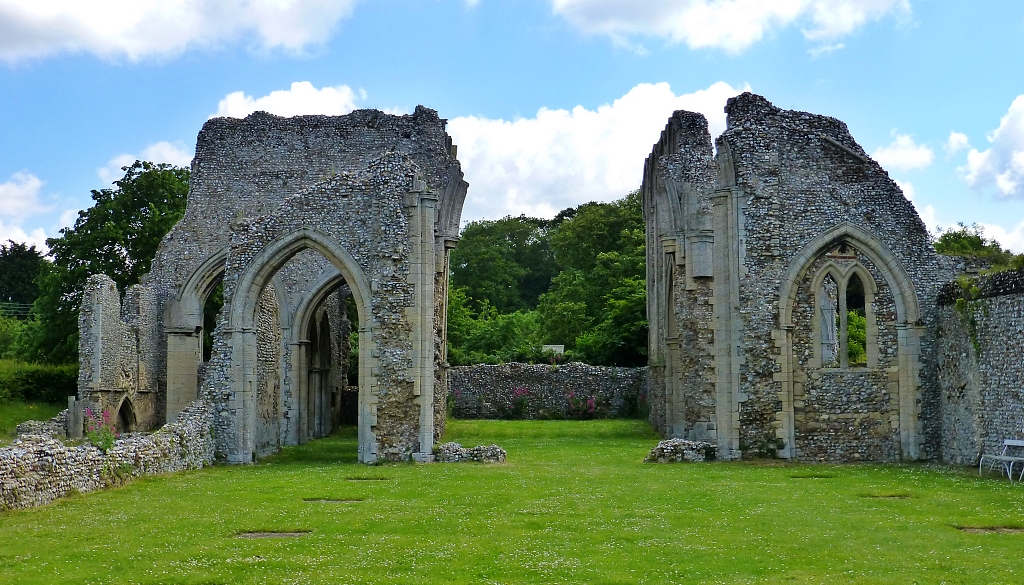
x=421 y=316
x=728 y=324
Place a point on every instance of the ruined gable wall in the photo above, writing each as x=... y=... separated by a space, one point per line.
x=799 y=175
x=981 y=365
x=247 y=168
x=367 y=214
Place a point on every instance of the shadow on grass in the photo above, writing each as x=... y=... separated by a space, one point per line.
x=341 y=447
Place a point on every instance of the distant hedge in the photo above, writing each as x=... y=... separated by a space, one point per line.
x=37 y=382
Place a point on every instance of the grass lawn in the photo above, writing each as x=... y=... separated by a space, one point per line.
x=573 y=504
x=14 y=413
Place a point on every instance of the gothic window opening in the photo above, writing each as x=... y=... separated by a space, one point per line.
x=856 y=322
x=845 y=325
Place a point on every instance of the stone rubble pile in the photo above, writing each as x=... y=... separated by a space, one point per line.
x=55 y=427
x=455 y=453
x=37 y=469
x=680 y=450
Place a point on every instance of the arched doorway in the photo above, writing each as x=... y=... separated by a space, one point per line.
x=308 y=351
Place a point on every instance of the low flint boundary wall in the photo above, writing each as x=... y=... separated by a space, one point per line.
x=528 y=391
x=37 y=469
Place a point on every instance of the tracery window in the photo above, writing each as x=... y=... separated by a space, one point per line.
x=845 y=326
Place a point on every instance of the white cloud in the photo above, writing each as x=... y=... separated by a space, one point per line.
x=136 y=29
x=19 y=198
x=825 y=49
x=1002 y=164
x=731 y=25
x=1011 y=239
x=159 y=152
x=67 y=219
x=904 y=154
x=561 y=158
x=956 y=142
x=16 y=233
x=302 y=98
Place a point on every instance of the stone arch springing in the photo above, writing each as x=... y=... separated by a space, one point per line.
x=908 y=329
x=241 y=317
x=185 y=329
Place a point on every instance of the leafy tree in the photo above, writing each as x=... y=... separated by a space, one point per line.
x=117 y=236
x=508 y=263
x=490 y=336
x=19 y=266
x=970 y=241
x=597 y=303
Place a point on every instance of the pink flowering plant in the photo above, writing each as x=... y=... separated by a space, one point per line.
x=582 y=407
x=518 y=404
x=100 y=430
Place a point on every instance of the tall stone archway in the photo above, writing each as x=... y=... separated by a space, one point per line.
x=297 y=207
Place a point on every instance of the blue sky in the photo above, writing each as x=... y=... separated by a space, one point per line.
x=552 y=102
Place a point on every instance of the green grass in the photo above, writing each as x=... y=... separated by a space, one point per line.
x=573 y=504
x=16 y=412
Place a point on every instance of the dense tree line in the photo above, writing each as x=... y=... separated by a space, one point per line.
x=516 y=283
x=576 y=280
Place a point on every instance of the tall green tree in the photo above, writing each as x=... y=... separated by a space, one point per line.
x=117 y=236
x=19 y=266
x=507 y=263
x=597 y=304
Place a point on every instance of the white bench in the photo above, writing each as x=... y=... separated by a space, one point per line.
x=1012 y=454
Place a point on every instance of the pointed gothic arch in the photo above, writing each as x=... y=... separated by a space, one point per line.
x=909 y=330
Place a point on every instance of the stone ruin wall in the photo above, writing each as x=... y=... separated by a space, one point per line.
x=800 y=174
x=36 y=469
x=491 y=391
x=244 y=172
x=678 y=178
x=981 y=365
x=847 y=414
x=726 y=234
x=118 y=351
x=268 y=373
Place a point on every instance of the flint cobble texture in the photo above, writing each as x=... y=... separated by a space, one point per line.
x=37 y=469
x=529 y=391
x=456 y=453
x=981 y=365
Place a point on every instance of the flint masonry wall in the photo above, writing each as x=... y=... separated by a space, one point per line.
x=118 y=350
x=302 y=206
x=980 y=333
x=531 y=391
x=37 y=469
x=737 y=248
